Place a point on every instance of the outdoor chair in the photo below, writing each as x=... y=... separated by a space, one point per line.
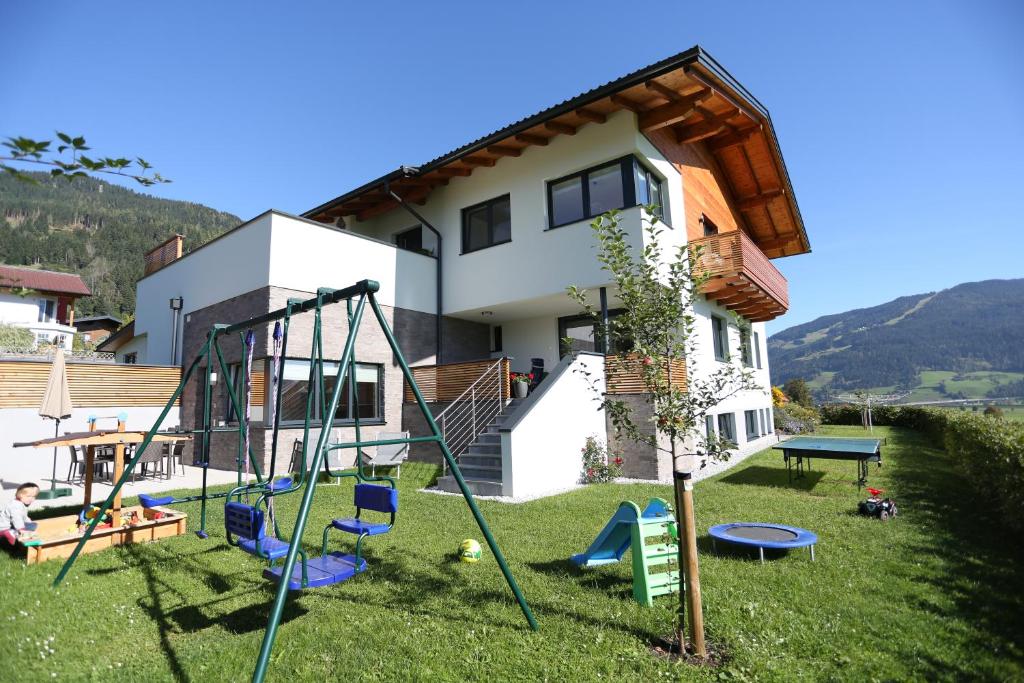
x=76 y=470
x=537 y=369
x=391 y=455
x=152 y=456
x=174 y=452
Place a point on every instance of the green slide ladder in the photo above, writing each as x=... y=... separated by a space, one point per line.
x=655 y=565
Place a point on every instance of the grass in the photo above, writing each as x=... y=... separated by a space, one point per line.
x=933 y=594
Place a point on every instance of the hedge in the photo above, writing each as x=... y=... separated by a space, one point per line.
x=989 y=448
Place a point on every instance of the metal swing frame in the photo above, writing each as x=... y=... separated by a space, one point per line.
x=363 y=292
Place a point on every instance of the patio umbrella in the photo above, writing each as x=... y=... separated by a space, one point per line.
x=56 y=405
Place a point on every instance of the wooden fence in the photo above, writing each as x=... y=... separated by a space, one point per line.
x=99 y=385
x=623 y=375
x=447 y=382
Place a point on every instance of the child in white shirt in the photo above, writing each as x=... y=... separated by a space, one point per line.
x=14 y=519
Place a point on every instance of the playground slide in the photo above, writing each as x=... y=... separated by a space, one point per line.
x=615 y=538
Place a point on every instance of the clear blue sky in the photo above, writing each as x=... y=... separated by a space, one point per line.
x=900 y=123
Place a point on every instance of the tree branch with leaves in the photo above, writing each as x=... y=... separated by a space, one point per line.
x=657 y=290
x=69 y=162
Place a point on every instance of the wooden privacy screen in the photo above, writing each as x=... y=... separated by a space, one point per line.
x=447 y=382
x=99 y=385
x=622 y=378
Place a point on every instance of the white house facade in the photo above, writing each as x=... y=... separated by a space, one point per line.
x=475 y=249
x=42 y=302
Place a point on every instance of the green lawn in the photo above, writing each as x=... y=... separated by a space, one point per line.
x=934 y=594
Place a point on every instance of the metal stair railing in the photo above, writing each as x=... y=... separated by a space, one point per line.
x=474 y=409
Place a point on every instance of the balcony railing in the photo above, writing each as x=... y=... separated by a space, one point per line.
x=448 y=382
x=741 y=277
x=624 y=374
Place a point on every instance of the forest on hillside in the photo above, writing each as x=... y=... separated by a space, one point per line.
x=97 y=230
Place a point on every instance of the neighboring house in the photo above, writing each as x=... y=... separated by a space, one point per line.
x=491 y=234
x=126 y=346
x=95 y=329
x=41 y=301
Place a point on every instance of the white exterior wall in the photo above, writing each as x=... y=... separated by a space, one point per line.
x=538 y=264
x=705 y=364
x=137 y=346
x=279 y=250
x=545 y=446
x=18 y=465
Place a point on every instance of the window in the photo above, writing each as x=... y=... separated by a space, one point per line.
x=771 y=419
x=720 y=338
x=46 y=307
x=496 y=346
x=586 y=335
x=750 y=418
x=709 y=427
x=616 y=185
x=411 y=239
x=727 y=427
x=746 y=353
x=764 y=420
x=237 y=378
x=487 y=224
x=648 y=189
x=757 y=349
x=295 y=392
x=709 y=227
x=130 y=358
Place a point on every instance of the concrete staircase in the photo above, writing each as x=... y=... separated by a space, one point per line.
x=481 y=463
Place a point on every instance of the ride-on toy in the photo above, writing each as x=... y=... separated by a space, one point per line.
x=876 y=506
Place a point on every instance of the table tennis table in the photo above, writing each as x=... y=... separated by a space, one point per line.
x=803 y=448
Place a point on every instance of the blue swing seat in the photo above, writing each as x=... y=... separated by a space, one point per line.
x=370 y=497
x=246 y=522
x=153 y=501
x=321 y=571
x=270 y=548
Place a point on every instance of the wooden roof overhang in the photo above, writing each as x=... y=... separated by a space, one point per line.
x=690 y=94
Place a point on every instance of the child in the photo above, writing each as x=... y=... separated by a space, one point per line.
x=14 y=519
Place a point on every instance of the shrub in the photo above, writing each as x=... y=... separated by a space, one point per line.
x=16 y=338
x=993 y=411
x=794 y=418
x=598 y=464
x=990 y=452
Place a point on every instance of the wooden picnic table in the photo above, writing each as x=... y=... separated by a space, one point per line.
x=118 y=438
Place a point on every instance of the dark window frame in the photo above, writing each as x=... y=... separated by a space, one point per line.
x=727 y=427
x=746 y=348
x=566 y=320
x=402 y=233
x=708 y=226
x=750 y=420
x=496 y=346
x=757 y=349
x=314 y=420
x=628 y=166
x=720 y=338
x=489 y=205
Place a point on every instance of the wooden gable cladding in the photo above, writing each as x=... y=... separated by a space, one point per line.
x=92 y=385
x=689 y=98
x=623 y=375
x=741 y=278
x=448 y=382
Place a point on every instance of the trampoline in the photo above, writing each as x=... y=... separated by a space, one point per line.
x=761 y=536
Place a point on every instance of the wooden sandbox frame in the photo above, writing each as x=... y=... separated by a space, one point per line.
x=52 y=539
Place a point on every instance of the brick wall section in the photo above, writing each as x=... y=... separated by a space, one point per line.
x=640 y=461
x=414 y=331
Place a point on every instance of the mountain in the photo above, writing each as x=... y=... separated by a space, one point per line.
x=97 y=230
x=959 y=342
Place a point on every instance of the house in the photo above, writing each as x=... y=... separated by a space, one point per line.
x=490 y=235
x=42 y=302
x=94 y=329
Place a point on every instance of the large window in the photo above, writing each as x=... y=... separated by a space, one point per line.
x=750 y=418
x=584 y=334
x=46 y=308
x=746 y=352
x=615 y=185
x=487 y=224
x=727 y=427
x=720 y=338
x=295 y=391
x=411 y=239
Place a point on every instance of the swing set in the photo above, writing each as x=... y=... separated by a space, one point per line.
x=249 y=517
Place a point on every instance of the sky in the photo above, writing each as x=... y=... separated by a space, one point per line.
x=900 y=122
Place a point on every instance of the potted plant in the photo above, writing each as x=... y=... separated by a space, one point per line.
x=520 y=383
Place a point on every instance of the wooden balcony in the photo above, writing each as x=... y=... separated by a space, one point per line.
x=448 y=382
x=742 y=278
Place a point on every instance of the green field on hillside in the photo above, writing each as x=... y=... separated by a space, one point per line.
x=931 y=384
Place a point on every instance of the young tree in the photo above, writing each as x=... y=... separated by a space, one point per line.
x=69 y=162
x=657 y=293
x=798 y=391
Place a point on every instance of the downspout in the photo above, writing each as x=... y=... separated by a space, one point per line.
x=423 y=221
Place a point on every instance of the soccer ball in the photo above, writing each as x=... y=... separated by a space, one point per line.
x=469 y=551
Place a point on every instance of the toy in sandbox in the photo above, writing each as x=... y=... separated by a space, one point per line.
x=876 y=506
x=655 y=565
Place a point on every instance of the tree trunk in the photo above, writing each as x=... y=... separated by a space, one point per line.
x=689 y=591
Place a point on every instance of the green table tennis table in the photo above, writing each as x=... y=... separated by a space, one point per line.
x=802 y=448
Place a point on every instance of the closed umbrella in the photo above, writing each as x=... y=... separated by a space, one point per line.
x=56 y=405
